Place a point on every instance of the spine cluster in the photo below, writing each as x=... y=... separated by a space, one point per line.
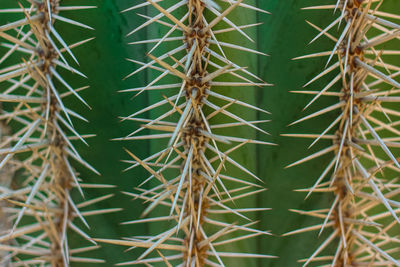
x=198 y=197
x=41 y=146
x=364 y=215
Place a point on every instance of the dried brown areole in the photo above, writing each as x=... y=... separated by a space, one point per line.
x=194 y=200
x=33 y=91
x=364 y=216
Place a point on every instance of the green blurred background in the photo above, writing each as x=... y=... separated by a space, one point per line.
x=283 y=35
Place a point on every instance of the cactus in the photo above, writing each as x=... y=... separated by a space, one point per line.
x=363 y=215
x=6 y=176
x=34 y=91
x=195 y=198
